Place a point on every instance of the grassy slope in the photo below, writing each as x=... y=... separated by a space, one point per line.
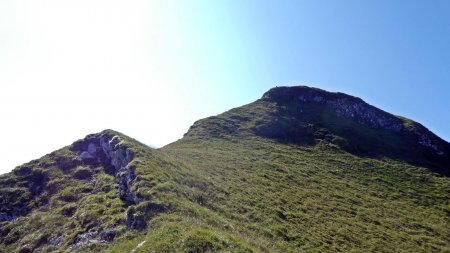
x=75 y=199
x=285 y=198
x=226 y=189
x=249 y=195
x=315 y=196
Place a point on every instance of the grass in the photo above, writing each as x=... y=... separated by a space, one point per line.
x=317 y=199
x=255 y=179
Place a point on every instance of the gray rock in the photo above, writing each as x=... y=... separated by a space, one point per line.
x=118 y=155
x=56 y=240
x=108 y=235
x=86 y=238
x=127 y=179
x=86 y=155
x=92 y=149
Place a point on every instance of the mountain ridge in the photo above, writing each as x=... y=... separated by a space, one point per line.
x=303 y=115
x=293 y=171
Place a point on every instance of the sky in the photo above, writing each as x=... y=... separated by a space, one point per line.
x=149 y=69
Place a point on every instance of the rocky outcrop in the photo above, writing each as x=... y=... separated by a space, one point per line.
x=354 y=109
x=117 y=154
x=127 y=177
x=110 y=151
x=343 y=105
x=105 y=149
x=365 y=114
x=93 y=237
x=82 y=184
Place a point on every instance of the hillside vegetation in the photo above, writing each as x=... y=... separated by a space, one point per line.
x=300 y=170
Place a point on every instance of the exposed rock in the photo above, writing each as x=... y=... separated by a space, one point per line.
x=352 y=108
x=117 y=154
x=365 y=114
x=90 y=237
x=343 y=104
x=86 y=238
x=57 y=240
x=111 y=152
x=425 y=140
x=86 y=155
x=108 y=235
x=127 y=178
x=104 y=149
x=92 y=149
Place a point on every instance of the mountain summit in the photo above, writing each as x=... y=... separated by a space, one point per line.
x=299 y=170
x=310 y=116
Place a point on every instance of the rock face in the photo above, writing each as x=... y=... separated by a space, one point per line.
x=352 y=108
x=115 y=157
x=118 y=155
x=110 y=151
x=104 y=149
x=342 y=104
x=127 y=177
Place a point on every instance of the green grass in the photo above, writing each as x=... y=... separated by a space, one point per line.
x=254 y=179
x=318 y=199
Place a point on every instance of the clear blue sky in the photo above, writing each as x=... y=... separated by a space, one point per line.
x=151 y=68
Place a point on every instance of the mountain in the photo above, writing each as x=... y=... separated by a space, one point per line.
x=309 y=116
x=299 y=170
